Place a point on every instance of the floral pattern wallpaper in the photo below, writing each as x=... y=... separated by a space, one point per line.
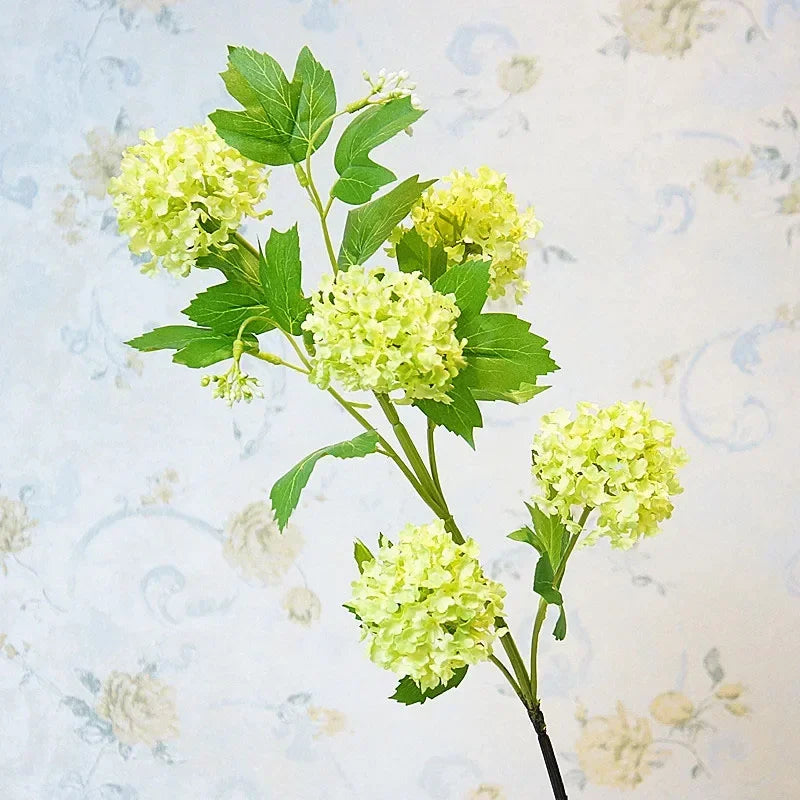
x=160 y=639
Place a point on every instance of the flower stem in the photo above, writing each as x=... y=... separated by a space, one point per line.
x=432 y=457
x=546 y=746
x=508 y=676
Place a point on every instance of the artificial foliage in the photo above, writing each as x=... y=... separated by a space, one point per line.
x=412 y=332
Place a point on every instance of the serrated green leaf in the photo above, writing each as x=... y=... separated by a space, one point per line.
x=285 y=494
x=528 y=536
x=236 y=264
x=360 y=177
x=168 y=337
x=560 y=630
x=543 y=581
x=460 y=417
x=281 y=277
x=502 y=354
x=253 y=136
x=551 y=531
x=368 y=226
x=526 y=392
x=196 y=347
x=414 y=254
x=316 y=103
x=362 y=554
x=409 y=693
x=469 y=282
x=226 y=306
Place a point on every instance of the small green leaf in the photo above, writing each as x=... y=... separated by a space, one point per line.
x=560 y=631
x=409 y=693
x=519 y=396
x=543 y=581
x=281 y=276
x=360 y=177
x=527 y=535
x=460 y=417
x=196 y=347
x=502 y=354
x=368 y=226
x=551 y=531
x=469 y=282
x=236 y=264
x=415 y=255
x=285 y=493
x=317 y=102
x=226 y=306
x=362 y=554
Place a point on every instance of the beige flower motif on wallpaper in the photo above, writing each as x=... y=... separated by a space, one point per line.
x=140 y=708
x=487 y=791
x=302 y=605
x=95 y=168
x=670 y=28
x=620 y=750
x=161 y=488
x=14 y=528
x=519 y=74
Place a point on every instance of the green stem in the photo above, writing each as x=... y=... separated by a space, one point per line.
x=541 y=612
x=244 y=243
x=270 y=358
x=509 y=677
x=432 y=457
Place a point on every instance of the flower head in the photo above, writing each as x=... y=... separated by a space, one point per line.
x=426 y=606
x=672 y=708
x=177 y=196
x=664 y=27
x=477 y=217
x=619 y=460
x=381 y=331
x=140 y=708
x=614 y=751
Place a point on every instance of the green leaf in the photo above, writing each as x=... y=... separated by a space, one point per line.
x=226 y=306
x=409 y=693
x=253 y=136
x=317 y=102
x=415 y=255
x=460 y=417
x=368 y=226
x=281 y=276
x=285 y=494
x=469 y=282
x=196 y=347
x=526 y=534
x=551 y=532
x=360 y=177
x=502 y=354
x=543 y=581
x=236 y=264
x=560 y=631
x=362 y=554
x=519 y=396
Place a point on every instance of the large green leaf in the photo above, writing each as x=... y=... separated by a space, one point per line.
x=368 y=226
x=526 y=392
x=281 y=277
x=414 y=254
x=360 y=177
x=196 y=347
x=502 y=354
x=285 y=494
x=253 y=136
x=226 y=306
x=460 y=417
x=236 y=263
x=409 y=693
x=469 y=282
x=317 y=102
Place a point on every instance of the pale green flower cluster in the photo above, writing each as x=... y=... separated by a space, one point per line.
x=426 y=606
x=233 y=386
x=177 y=196
x=382 y=331
x=475 y=217
x=619 y=460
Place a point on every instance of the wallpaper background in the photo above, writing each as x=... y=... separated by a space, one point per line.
x=660 y=145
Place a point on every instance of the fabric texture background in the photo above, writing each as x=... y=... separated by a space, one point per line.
x=156 y=641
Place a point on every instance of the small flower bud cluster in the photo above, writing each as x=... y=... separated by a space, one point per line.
x=234 y=385
x=392 y=85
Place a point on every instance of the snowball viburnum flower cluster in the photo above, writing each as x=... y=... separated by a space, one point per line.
x=426 y=606
x=383 y=331
x=177 y=196
x=619 y=460
x=477 y=217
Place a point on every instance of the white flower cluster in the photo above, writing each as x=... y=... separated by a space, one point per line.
x=392 y=85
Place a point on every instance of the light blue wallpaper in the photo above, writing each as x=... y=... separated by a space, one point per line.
x=158 y=640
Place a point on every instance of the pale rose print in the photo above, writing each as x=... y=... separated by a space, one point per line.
x=102 y=162
x=663 y=27
x=140 y=708
x=487 y=791
x=790 y=203
x=257 y=549
x=302 y=605
x=672 y=708
x=518 y=74
x=615 y=750
x=329 y=721
x=14 y=527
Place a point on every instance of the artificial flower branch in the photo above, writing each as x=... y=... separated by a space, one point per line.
x=414 y=336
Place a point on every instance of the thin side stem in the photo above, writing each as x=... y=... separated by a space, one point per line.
x=508 y=676
x=432 y=457
x=272 y=359
x=244 y=243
